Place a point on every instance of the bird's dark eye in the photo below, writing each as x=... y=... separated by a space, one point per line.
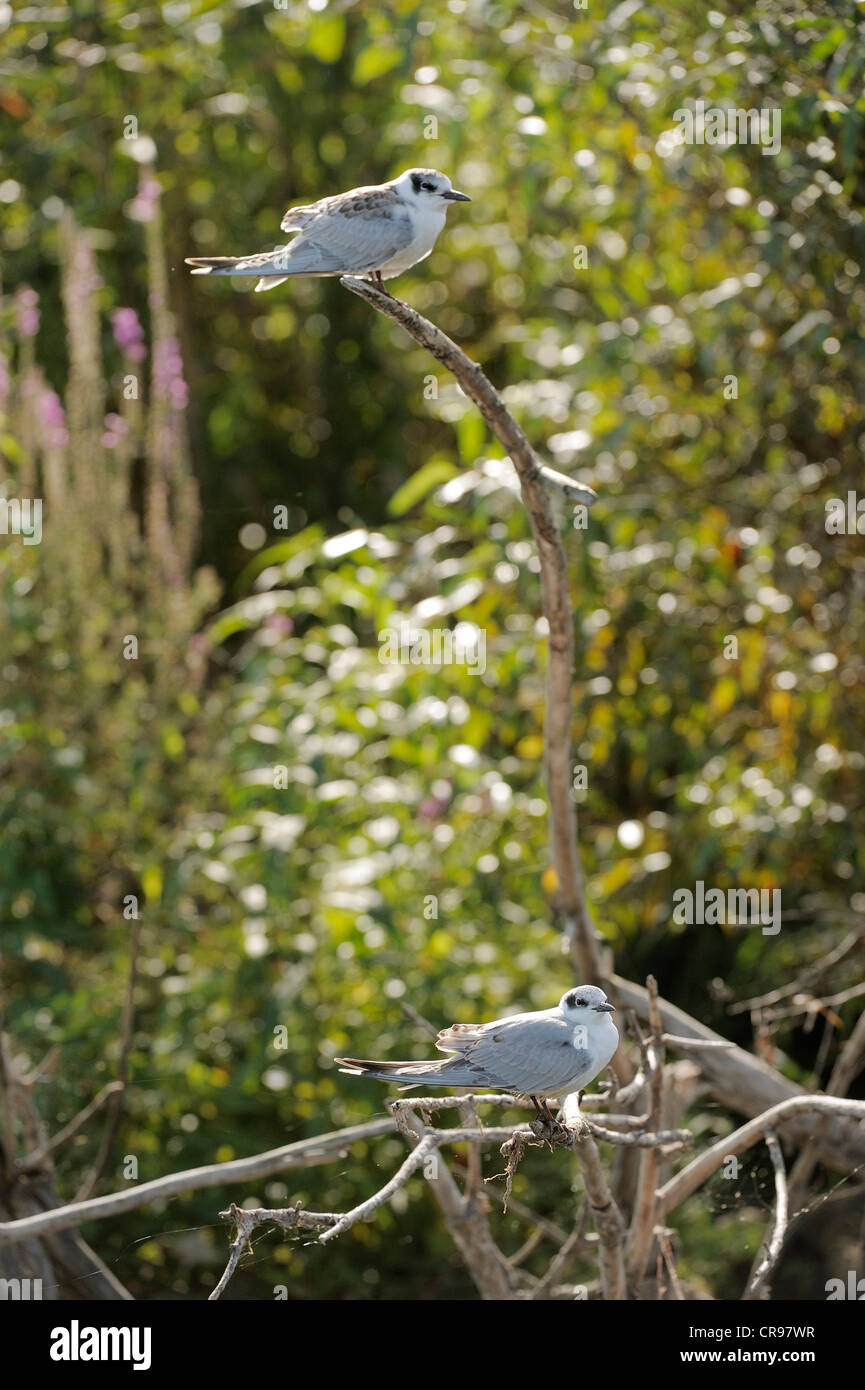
x=575 y=1002
x=429 y=187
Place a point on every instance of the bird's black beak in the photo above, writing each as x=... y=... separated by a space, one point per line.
x=604 y=1009
x=454 y=197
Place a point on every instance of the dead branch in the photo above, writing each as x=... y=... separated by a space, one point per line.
x=608 y=1220
x=324 y=1148
x=75 y=1125
x=465 y=1217
x=245 y=1221
x=416 y=1159
x=747 y=1085
x=695 y=1174
x=764 y=1267
x=643 y=1222
x=807 y=978
x=115 y=1100
x=535 y=480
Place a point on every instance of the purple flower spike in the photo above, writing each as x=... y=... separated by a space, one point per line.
x=54 y=432
x=128 y=334
x=26 y=301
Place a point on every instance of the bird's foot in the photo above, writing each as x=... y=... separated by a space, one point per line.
x=577 y=1128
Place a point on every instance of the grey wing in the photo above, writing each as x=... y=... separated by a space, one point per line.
x=459 y=1036
x=297 y=218
x=530 y=1056
x=334 y=242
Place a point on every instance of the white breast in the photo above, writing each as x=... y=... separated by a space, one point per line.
x=427 y=224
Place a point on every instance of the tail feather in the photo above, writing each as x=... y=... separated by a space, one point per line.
x=268 y=282
x=242 y=265
x=409 y=1073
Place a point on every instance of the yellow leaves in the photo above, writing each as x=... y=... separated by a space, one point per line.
x=724 y=695
x=151 y=1252
x=441 y=943
x=173 y=742
x=326 y=38
x=225 y=1153
x=531 y=747
x=549 y=880
x=752 y=652
x=219 y=1076
x=616 y=877
x=714 y=523
x=374 y=62
x=780 y=706
x=151 y=882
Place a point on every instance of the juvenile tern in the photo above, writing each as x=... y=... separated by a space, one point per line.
x=550 y=1053
x=378 y=231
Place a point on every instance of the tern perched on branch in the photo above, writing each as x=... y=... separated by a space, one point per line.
x=378 y=231
x=550 y=1053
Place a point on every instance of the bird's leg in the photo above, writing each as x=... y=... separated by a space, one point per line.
x=546 y=1125
x=379 y=283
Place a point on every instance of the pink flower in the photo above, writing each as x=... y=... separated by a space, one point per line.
x=168 y=373
x=53 y=416
x=144 y=204
x=128 y=334
x=115 y=428
x=26 y=301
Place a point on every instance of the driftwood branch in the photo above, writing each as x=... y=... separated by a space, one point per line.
x=764 y=1267
x=246 y=1219
x=416 y=1159
x=305 y=1153
x=747 y=1085
x=695 y=1174
x=641 y=1233
x=609 y=1222
x=535 y=480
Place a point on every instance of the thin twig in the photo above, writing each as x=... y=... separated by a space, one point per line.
x=535 y=479
x=245 y=1221
x=115 y=1103
x=305 y=1153
x=416 y=1159
x=759 y=1283
x=558 y=1265
x=75 y=1125
x=695 y=1174
x=803 y=981
x=421 y=1022
x=643 y=1221
x=665 y=1249
x=747 y=1085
